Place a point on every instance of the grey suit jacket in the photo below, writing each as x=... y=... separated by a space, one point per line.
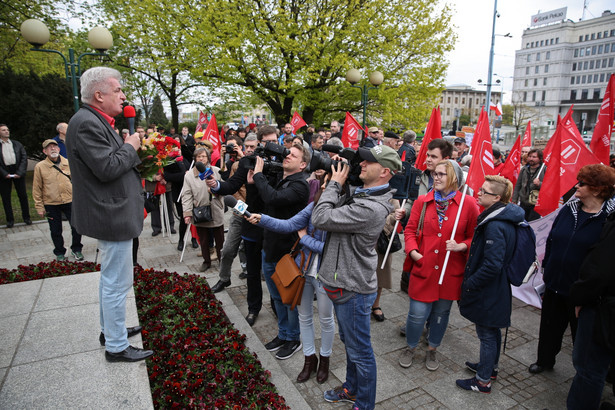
x=107 y=191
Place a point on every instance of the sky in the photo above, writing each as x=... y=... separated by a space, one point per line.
x=473 y=19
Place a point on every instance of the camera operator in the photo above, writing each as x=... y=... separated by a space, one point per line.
x=348 y=267
x=252 y=235
x=283 y=198
x=230 y=153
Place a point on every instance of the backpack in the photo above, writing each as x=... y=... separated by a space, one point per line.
x=523 y=261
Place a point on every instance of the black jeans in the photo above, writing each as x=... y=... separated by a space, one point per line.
x=557 y=313
x=6 y=185
x=54 y=217
x=156 y=222
x=253 y=279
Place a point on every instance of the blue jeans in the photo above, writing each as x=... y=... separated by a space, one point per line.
x=591 y=362
x=437 y=312
x=306 y=318
x=288 y=320
x=353 y=319
x=116 y=276
x=490 y=344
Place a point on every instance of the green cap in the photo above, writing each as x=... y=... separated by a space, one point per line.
x=384 y=155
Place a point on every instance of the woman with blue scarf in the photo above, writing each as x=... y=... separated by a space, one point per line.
x=428 y=299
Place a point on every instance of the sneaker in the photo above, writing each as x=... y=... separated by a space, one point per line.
x=77 y=255
x=60 y=258
x=288 y=349
x=275 y=344
x=406 y=358
x=474 y=368
x=340 y=393
x=474 y=385
x=431 y=360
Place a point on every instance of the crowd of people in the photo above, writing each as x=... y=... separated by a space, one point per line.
x=457 y=246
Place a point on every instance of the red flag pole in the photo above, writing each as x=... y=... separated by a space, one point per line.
x=448 y=253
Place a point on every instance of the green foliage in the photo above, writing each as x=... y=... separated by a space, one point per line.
x=464 y=119
x=157 y=115
x=33 y=106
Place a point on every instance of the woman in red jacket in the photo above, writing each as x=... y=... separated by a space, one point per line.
x=428 y=299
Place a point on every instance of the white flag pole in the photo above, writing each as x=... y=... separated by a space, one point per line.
x=384 y=260
x=186 y=236
x=448 y=253
x=182 y=191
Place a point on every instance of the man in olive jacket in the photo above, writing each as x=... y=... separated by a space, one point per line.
x=107 y=201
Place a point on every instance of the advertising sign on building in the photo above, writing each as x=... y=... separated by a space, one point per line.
x=548 y=17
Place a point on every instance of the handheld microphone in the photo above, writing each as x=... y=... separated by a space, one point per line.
x=129 y=114
x=204 y=171
x=239 y=207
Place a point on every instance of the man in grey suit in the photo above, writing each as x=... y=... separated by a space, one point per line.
x=107 y=201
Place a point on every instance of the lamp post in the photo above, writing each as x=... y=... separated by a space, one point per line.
x=353 y=76
x=36 y=33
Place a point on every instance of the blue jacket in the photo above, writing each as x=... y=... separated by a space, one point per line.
x=568 y=244
x=485 y=292
x=314 y=241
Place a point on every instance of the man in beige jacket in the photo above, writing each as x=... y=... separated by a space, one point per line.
x=52 y=191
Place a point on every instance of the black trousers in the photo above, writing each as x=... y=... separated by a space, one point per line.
x=557 y=313
x=253 y=279
x=156 y=222
x=6 y=186
x=54 y=217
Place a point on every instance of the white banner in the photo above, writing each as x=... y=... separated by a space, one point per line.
x=548 y=17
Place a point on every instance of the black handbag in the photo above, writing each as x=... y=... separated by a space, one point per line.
x=383 y=243
x=202 y=213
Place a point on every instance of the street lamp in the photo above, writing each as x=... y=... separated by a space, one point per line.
x=353 y=76
x=36 y=33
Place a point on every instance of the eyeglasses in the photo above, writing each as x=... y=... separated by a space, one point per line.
x=583 y=183
x=439 y=175
x=483 y=192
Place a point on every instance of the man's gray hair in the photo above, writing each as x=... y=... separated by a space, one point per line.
x=335 y=141
x=250 y=137
x=95 y=79
x=409 y=137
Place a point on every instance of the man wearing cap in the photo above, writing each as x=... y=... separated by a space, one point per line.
x=354 y=220
x=462 y=147
x=372 y=138
x=52 y=191
x=390 y=139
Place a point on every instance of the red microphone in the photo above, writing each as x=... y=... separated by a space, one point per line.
x=129 y=114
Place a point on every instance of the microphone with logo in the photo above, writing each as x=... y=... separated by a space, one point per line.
x=130 y=114
x=204 y=171
x=239 y=207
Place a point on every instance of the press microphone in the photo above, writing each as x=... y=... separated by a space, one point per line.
x=129 y=114
x=200 y=166
x=239 y=207
x=204 y=171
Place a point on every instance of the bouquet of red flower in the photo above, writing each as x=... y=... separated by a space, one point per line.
x=157 y=151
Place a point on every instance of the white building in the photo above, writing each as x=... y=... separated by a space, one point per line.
x=563 y=64
x=462 y=99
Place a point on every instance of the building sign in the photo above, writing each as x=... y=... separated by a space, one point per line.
x=548 y=17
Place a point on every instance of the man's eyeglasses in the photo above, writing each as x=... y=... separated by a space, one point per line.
x=483 y=192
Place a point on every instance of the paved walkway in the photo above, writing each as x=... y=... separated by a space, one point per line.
x=68 y=369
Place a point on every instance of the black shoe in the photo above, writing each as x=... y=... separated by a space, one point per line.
x=243 y=275
x=220 y=286
x=378 y=316
x=251 y=318
x=28 y=221
x=535 y=368
x=289 y=349
x=10 y=224
x=275 y=344
x=180 y=246
x=195 y=244
x=132 y=331
x=173 y=231
x=131 y=354
x=155 y=233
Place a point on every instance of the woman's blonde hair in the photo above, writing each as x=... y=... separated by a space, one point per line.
x=500 y=186
x=452 y=182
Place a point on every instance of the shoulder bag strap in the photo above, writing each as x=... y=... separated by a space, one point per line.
x=419 y=228
x=61 y=172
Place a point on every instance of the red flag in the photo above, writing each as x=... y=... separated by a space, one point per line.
x=403 y=156
x=527 y=137
x=432 y=132
x=482 y=154
x=511 y=166
x=211 y=134
x=350 y=136
x=297 y=122
x=567 y=155
x=202 y=122
x=496 y=107
x=601 y=140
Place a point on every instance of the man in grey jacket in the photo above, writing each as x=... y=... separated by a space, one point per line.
x=107 y=201
x=348 y=268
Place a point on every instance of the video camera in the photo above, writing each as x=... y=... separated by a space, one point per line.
x=321 y=160
x=269 y=153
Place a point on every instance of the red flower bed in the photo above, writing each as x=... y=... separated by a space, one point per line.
x=201 y=361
